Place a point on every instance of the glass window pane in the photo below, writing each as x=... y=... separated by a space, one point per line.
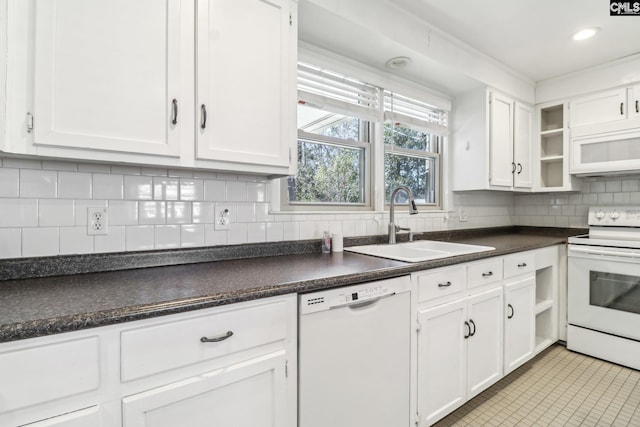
x=319 y=122
x=419 y=174
x=404 y=137
x=327 y=174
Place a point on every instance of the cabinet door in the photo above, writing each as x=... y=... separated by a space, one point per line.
x=501 y=140
x=107 y=74
x=602 y=107
x=247 y=394
x=245 y=79
x=442 y=367
x=522 y=145
x=519 y=337
x=633 y=98
x=485 y=351
x=82 y=418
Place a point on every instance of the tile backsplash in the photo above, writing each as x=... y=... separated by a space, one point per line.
x=43 y=210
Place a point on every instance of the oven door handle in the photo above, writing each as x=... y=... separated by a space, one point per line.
x=594 y=251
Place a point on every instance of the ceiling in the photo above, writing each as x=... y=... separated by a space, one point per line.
x=530 y=37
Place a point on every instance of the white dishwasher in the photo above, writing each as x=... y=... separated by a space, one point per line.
x=354 y=352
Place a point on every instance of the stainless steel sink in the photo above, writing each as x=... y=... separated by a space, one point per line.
x=421 y=250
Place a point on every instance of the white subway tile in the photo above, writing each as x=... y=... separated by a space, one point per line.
x=56 y=213
x=597 y=187
x=613 y=186
x=166 y=188
x=349 y=228
x=9 y=162
x=191 y=189
x=203 y=212
x=232 y=208
x=236 y=191
x=167 y=236
x=152 y=213
x=291 y=231
x=94 y=168
x=59 y=165
x=178 y=213
x=18 y=213
x=256 y=232
x=38 y=183
x=256 y=192
x=629 y=185
x=275 y=231
x=562 y=221
x=262 y=213
x=214 y=237
x=204 y=174
x=192 y=235
x=634 y=197
x=214 y=191
x=246 y=212
x=41 y=241
x=74 y=240
x=138 y=187
x=180 y=173
x=10 y=242
x=123 y=212
x=227 y=177
x=125 y=170
x=139 y=237
x=10 y=179
x=237 y=234
x=108 y=186
x=115 y=241
x=605 y=198
x=81 y=210
x=153 y=171
x=622 y=198
x=307 y=230
x=74 y=185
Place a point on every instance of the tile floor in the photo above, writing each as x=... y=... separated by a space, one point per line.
x=557 y=388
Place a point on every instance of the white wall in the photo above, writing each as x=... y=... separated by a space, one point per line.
x=43 y=210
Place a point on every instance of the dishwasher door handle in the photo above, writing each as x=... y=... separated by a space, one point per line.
x=360 y=304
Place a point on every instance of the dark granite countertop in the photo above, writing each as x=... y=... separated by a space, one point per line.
x=40 y=306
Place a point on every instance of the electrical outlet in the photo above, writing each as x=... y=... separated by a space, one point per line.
x=97 y=221
x=223 y=219
x=463 y=215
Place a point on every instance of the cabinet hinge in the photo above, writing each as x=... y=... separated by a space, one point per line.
x=290 y=20
x=418 y=326
x=418 y=419
x=286 y=369
x=289 y=156
x=29 y=122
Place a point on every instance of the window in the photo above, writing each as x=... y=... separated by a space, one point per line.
x=349 y=132
x=412 y=140
x=335 y=113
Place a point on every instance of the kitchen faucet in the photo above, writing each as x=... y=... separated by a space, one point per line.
x=412 y=211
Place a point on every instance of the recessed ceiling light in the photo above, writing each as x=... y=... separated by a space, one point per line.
x=587 y=33
x=398 y=62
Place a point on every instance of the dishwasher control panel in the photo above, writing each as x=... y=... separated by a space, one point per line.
x=351 y=295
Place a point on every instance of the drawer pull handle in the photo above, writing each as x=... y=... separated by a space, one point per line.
x=489 y=274
x=467 y=333
x=174 y=108
x=444 y=285
x=510 y=316
x=203 y=119
x=474 y=328
x=622 y=108
x=523 y=265
x=217 y=339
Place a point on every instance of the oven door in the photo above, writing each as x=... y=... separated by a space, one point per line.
x=604 y=289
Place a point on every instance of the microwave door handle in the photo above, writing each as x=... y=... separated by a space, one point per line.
x=594 y=251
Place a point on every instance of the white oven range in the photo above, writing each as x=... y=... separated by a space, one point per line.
x=604 y=287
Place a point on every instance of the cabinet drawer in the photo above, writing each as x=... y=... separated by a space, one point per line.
x=440 y=283
x=483 y=272
x=519 y=264
x=169 y=345
x=44 y=373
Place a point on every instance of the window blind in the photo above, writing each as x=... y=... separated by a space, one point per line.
x=415 y=114
x=337 y=93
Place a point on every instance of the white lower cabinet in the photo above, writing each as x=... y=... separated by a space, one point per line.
x=520 y=322
x=247 y=394
x=233 y=365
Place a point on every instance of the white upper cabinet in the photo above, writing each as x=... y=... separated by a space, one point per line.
x=208 y=84
x=602 y=107
x=258 y=87
x=107 y=75
x=492 y=143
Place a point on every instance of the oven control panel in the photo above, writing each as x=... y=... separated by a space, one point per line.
x=615 y=216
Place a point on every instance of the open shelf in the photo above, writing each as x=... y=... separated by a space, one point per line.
x=553 y=149
x=551 y=132
x=542 y=343
x=543 y=305
x=549 y=159
x=551 y=118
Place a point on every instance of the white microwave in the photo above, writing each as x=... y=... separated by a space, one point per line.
x=600 y=154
